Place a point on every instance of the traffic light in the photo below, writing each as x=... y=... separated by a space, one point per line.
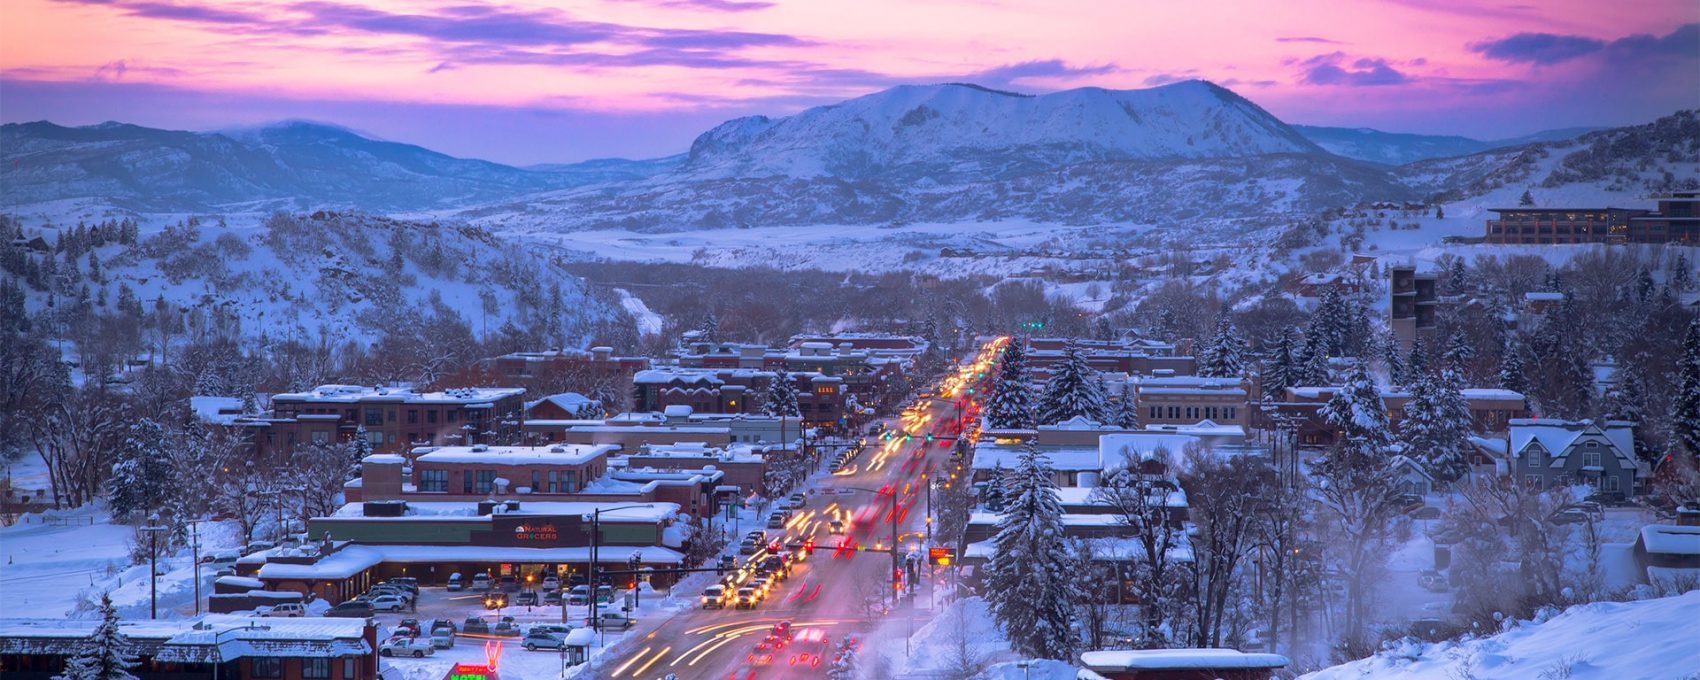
x=809 y=547
x=897 y=579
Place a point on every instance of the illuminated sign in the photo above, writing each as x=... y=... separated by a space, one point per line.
x=537 y=532
x=467 y=671
x=941 y=556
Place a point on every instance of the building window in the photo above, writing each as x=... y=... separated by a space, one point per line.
x=466 y=481
x=266 y=667
x=434 y=480
x=1613 y=483
x=1534 y=458
x=321 y=437
x=316 y=668
x=452 y=415
x=554 y=479
x=1534 y=481
x=374 y=416
x=1231 y=412
x=536 y=481
x=1156 y=412
x=569 y=481
x=1174 y=412
x=412 y=416
x=486 y=481
x=1591 y=458
x=375 y=438
x=431 y=417
x=349 y=669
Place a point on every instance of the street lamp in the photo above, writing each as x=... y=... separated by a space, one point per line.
x=595 y=585
x=152 y=529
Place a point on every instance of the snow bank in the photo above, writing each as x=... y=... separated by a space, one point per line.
x=1615 y=640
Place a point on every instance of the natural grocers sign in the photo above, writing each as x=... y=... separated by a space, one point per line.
x=535 y=532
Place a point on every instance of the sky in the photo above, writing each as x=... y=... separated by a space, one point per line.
x=540 y=82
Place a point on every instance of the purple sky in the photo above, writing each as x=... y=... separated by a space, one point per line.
x=555 y=82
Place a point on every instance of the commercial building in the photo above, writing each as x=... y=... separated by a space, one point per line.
x=392 y=419
x=821 y=399
x=233 y=647
x=1674 y=221
x=1491 y=411
x=1188 y=400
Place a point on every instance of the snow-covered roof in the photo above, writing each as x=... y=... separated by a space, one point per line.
x=1556 y=436
x=384 y=459
x=678 y=411
x=556 y=454
x=1062 y=458
x=736 y=453
x=450 y=510
x=218 y=410
x=570 y=402
x=1671 y=539
x=348 y=394
x=1180 y=659
x=1544 y=296
x=354 y=559
x=193 y=640
x=1191 y=385
x=640 y=429
x=1202 y=428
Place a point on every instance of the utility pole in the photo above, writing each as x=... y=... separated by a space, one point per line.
x=153 y=528
x=195 y=544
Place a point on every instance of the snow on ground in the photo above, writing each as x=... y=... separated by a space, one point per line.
x=1034 y=669
x=1616 y=640
x=962 y=634
x=57 y=562
x=648 y=322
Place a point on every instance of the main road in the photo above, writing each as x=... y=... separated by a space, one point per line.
x=846 y=586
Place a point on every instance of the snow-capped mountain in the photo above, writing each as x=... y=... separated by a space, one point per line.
x=1399 y=148
x=287 y=166
x=966 y=132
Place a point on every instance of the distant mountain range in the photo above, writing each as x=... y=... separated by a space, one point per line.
x=1398 y=148
x=937 y=153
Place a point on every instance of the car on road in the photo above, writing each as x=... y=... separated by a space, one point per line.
x=748 y=597
x=809 y=648
x=542 y=639
x=495 y=600
x=402 y=645
x=353 y=609
x=1432 y=581
x=714 y=597
x=763 y=653
x=776 y=520
x=835 y=527
x=475 y=625
x=607 y=620
x=748 y=547
x=798 y=500
x=286 y=610
x=388 y=603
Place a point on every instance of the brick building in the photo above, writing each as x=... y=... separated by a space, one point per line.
x=394 y=419
x=1188 y=400
x=821 y=399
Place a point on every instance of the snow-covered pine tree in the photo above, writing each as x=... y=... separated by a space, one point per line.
x=1436 y=426
x=1029 y=584
x=1459 y=354
x=106 y=655
x=1681 y=277
x=141 y=478
x=1224 y=354
x=1331 y=322
x=1397 y=373
x=781 y=396
x=1012 y=397
x=363 y=445
x=992 y=496
x=1418 y=365
x=710 y=328
x=1280 y=370
x=1313 y=363
x=1685 y=408
x=1072 y=391
x=1124 y=414
x=1526 y=200
x=1358 y=411
x=1511 y=374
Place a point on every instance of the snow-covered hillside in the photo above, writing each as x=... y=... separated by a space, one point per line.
x=337 y=277
x=1398 y=148
x=970 y=132
x=1649 y=639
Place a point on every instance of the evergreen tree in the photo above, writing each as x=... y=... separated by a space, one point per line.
x=1397 y=374
x=1281 y=371
x=1011 y=407
x=1029 y=584
x=782 y=396
x=1436 y=427
x=1224 y=354
x=1331 y=323
x=1511 y=374
x=1357 y=410
x=1681 y=276
x=1072 y=390
x=1459 y=354
x=1644 y=286
x=141 y=480
x=1313 y=363
x=1457 y=277
x=1418 y=365
x=1685 y=408
x=1125 y=415
x=992 y=496
x=710 y=328
x=107 y=655
x=362 y=445
x=1440 y=212
x=1526 y=200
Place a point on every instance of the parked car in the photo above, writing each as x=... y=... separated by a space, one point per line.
x=607 y=620
x=226 y=557
x=480 y=582
x=475 y=625
x=408 y=583
x=286 y=610
x=579 y=595
x=714 y=597
x=402 y=645
x=510 y=583
x=1432 y=581
x=552 y=598
x=389 y=590
x=388 y=603
x=526 y=598
x=258 y=546
x=605 y=594
x=551 y=583
x=541 y=639
x=443 y=639
x=353 y=609
x=443 y=624
x=409 y=627
x=506 y=626
x=456 y=584
x=551 y=628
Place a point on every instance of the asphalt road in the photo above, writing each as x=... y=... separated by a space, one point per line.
x=842 y=589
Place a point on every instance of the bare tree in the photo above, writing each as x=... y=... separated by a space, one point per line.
x=1508 y=555
x=1222 y=498
x=1091 y=603
x=1355 y=497
x=1139 y=495
x=75 y=437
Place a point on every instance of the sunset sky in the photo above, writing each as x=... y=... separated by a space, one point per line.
x=532 y=82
